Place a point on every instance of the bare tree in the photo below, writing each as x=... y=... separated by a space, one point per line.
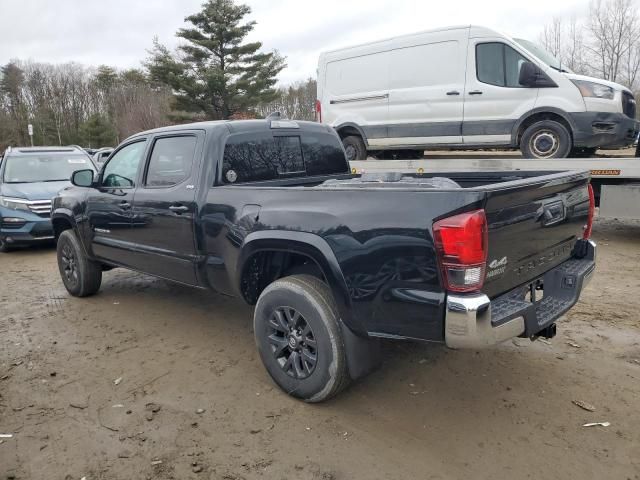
x=615 y=29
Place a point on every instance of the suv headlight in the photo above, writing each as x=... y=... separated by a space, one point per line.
x=594 y=90
x=14 y=203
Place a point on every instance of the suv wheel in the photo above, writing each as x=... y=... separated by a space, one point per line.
x=546 y=139
x=4 y=247
x=81 y=276
x=354 y=148
x=299 y=339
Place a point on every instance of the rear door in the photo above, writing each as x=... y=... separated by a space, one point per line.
x=109 y=205
x=164 y=207
x=494 y=99
x=426 y=85
x=533 y=226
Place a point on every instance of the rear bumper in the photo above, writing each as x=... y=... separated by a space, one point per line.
x=603 y=129
x=475 y=321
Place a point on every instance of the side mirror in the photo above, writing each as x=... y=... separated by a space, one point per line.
x=82 y=178
x=532 y=76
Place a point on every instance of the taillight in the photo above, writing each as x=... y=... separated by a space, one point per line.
x=318 y=111
x=461 y=243
x=592 y=210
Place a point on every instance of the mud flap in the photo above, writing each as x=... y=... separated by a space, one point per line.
x=363 y=354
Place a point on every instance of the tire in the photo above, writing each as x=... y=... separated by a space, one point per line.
x=354 y=148
x=4 y=248
x=296 y=320
x=546 y=139
x=81 y=276
x=582 y=152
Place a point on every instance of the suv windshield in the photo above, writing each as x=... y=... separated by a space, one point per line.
x=542 y=54
x=43 y=168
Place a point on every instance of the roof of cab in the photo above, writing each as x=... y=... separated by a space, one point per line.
x=237 y=126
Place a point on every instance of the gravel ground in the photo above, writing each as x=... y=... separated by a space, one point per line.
x=152 y=380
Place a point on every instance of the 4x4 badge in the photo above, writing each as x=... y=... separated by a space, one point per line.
x=498 y=263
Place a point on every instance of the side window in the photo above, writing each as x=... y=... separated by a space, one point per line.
x=498 y=64
x=121 y=170
x=262 y=157
x=171 y=161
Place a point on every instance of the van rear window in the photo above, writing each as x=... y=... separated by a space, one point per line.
x=263 y=156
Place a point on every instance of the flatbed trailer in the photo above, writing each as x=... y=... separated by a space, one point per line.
x=616 y=181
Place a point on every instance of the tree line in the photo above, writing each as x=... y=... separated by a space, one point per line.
x=216 y=74
x=604 y=43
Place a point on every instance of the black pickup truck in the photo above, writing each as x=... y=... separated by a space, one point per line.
x=268 y=210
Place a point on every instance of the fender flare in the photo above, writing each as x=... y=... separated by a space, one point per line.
x=67 y=215
x=357 y=127
x=307 y=244
x=535 y=111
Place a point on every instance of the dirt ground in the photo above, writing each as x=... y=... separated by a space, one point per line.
x=193 y=401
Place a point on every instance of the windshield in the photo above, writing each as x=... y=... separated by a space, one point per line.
x=541 y=53
x=43 y=167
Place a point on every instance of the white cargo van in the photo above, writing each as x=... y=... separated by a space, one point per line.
x=467 y=87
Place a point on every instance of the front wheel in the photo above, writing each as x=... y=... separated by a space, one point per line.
x=81 y=276
x=546 y=139
x=4 y=247
x=299 y=339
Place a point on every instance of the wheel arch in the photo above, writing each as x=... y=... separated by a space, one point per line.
x=350 y=128
x=62 y=221
x=303 y=246
x=537 y=114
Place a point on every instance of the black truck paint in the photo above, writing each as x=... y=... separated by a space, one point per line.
x=370 y=242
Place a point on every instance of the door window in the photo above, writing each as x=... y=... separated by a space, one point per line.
x=498 y=64
x=171 y=161
x=122 y=169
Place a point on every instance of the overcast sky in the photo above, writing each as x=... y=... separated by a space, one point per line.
x=119 y=32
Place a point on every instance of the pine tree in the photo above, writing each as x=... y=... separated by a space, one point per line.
x=216 y=73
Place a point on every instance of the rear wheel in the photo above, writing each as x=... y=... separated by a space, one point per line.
x=354 y=148
x=299 y=339
x=81 y=276
x=546 y=139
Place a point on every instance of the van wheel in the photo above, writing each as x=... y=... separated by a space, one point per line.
x=299 y=340
x=81 y=276
x=354 y=148
x=545 y=139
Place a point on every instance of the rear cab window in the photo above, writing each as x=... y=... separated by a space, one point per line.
x=262 y=156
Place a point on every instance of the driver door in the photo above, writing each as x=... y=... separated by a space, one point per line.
x=109 y=205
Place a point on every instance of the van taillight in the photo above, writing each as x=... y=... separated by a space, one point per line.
x=461 y=243
x=318 y=111
x=592 y=211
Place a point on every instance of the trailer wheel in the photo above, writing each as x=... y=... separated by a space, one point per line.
x=354 y=148
x=299 y=340
x=546 y=139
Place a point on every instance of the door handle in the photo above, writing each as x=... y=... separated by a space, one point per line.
x=179 y=209
x=475 y=92
x=124 y=205
x=453 y=92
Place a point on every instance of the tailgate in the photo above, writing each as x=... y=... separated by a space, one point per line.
x=533 y=226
